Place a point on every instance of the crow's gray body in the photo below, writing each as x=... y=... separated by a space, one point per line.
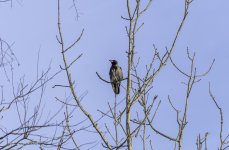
x=116 y=76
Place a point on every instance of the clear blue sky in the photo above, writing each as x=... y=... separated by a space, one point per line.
x=32 y=25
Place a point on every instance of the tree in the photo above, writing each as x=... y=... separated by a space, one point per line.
x=128 y=121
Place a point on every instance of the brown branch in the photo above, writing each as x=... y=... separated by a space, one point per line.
x=106 y=80
x=71 y=85
x=102 y=78
x=200 y=141
x=76 y=41
x=222 y=141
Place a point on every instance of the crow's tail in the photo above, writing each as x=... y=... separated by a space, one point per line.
x=116 y=88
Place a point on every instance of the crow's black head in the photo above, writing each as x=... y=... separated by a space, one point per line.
x=114 y=62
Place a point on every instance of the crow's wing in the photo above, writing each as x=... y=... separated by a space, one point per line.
x=119 y=73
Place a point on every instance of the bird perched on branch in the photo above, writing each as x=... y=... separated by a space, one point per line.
x=116 y=76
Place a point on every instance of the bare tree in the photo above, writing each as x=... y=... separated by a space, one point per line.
x=135 y=121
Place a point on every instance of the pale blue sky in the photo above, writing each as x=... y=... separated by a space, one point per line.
x=33 y=25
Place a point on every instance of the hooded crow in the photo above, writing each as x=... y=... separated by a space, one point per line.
x=116 y=76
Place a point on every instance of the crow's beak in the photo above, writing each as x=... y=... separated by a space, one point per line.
x=111 y=61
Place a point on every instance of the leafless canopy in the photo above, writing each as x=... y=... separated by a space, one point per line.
x=127 y=120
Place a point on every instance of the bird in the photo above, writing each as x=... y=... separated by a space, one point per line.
x=116 y=76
